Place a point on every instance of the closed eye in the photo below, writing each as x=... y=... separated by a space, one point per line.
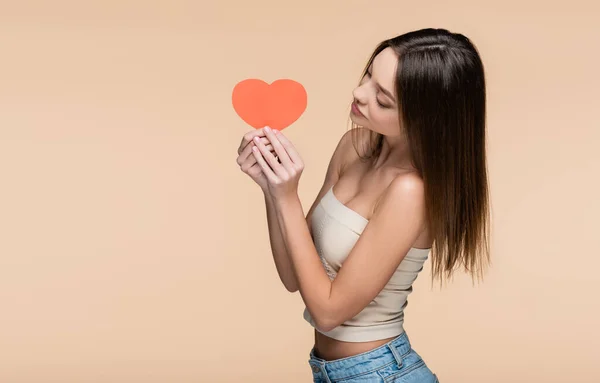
x=378 y=103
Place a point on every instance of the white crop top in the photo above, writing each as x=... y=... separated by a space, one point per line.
x=335 y=230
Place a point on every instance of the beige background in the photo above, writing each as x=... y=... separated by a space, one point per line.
x=133 y=249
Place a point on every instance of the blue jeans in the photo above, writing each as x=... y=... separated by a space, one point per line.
x=394 y=361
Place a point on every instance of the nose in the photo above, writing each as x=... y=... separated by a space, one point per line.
x=359 y=95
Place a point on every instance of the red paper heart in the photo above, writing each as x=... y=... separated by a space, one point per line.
x=277 y=105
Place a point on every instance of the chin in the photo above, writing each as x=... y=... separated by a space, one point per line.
x=358 y=120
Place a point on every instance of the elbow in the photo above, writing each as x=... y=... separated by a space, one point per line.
x=291 y=287
x=324 y=327
x=326 y=323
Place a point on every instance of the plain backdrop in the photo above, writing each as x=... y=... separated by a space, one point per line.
x=133 y=249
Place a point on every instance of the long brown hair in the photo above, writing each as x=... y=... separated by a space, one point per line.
x=440 y=88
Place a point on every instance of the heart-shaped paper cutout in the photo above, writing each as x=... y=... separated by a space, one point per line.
x=277 y=105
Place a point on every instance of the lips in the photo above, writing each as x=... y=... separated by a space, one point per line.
x=356 y=110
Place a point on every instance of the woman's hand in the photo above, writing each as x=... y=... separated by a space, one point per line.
x=247 y=161
x=282 y=173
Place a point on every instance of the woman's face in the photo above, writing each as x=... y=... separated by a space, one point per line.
x=375 y=106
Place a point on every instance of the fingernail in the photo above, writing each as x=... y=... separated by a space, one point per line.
x=267 y=129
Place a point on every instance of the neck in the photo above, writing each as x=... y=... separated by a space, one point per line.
x=395 y=153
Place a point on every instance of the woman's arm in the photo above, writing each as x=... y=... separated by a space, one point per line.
x=395 y=225
x=283 y=263
x=280 y=256
x=388 y=236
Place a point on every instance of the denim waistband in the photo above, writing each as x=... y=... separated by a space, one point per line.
x=391 y=352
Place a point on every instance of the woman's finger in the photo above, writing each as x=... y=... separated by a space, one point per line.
x=280 y=150
x=270 y=159
x=289 y=148
x=248 y=137
x=248 y=149
x=267 y=171
x=247 y=153
x=248 y=163
x=264 y=140
x=249 y=160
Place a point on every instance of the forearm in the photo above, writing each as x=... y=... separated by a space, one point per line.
x=313 y=282
x=280 y=255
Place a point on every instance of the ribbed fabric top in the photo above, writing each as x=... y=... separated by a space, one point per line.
x=335 y=230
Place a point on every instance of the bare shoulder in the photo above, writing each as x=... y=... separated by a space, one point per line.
x=407 y=183
x=404 y=189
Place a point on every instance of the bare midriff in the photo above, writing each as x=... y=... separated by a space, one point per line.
x=331 y=349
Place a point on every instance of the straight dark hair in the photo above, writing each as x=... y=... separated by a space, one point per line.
x=440 y=89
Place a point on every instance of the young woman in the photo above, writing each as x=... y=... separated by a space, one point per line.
x=409 y=180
